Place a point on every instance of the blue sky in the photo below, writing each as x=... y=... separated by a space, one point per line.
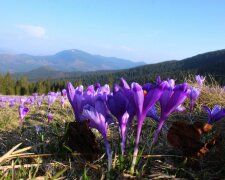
x=145 y=30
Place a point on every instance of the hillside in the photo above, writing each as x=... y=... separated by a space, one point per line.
x=212 y=63
x=65 y=61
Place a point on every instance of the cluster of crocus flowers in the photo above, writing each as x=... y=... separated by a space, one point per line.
x=124 y=102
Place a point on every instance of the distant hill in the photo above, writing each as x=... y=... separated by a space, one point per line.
x=65 y=61
x=211 y=63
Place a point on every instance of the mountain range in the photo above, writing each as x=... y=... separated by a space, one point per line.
x=65 y=61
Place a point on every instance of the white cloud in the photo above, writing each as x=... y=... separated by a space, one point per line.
x=34 y=31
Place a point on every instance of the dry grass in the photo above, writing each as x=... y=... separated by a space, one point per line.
x=51 y=159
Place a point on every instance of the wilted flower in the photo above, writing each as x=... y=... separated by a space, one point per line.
x=99 y=119
x=200 y=79
x=216 y=114
x=22 y=113
x=50 y=117
x=194 y=93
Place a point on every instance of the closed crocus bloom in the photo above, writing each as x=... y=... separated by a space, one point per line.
x=171 y=99
x=75 y=97
x=39 y=101
x=35 y=96
x=214 y=115
x=144 y=100
x=200 y=79
x=22 y=113
x=89 y=96
x=118 y=105
x=50 y=117
x=64 y=92
x=99 y=119
x=51 y=98
x=194 y=93
x=62 y=101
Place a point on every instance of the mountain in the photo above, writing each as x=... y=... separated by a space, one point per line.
x=211 y=63
x=66 y=61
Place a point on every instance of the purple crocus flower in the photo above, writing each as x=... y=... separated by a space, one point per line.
x=194 y=93
x=118 y=105
x=144 y=100
x=38 y=129
x=62 y=101
x=200 y=79
x=12 y=102
x=43 y=96
x=31 y=99
x=51 y=98
x=152 y=113
x=22 y=113
x=100 y=119
x=50 y=117
x=170 y=100
x=97 y=85
x=216 y=114
x=35 y=96
x=64 y=92
x=39 y=101
x=23 y=101
x=75 y=97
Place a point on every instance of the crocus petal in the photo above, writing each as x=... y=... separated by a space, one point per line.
x=180 y=94
x=138 y=95
x=152 y=113
x=219 y=115
x=194 y=93
x=153 y=95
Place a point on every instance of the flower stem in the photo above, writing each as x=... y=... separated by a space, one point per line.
x=136 y=146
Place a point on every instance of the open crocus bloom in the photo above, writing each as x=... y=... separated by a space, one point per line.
x=200 y=79
x=194 y=93
x=144 y=100
x=99 y=119
x=215 y=114
x=171 y=99
x=22 y=113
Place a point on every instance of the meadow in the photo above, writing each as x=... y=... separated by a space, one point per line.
x=49 y=145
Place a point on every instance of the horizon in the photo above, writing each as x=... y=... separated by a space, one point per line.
x=150 y=31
